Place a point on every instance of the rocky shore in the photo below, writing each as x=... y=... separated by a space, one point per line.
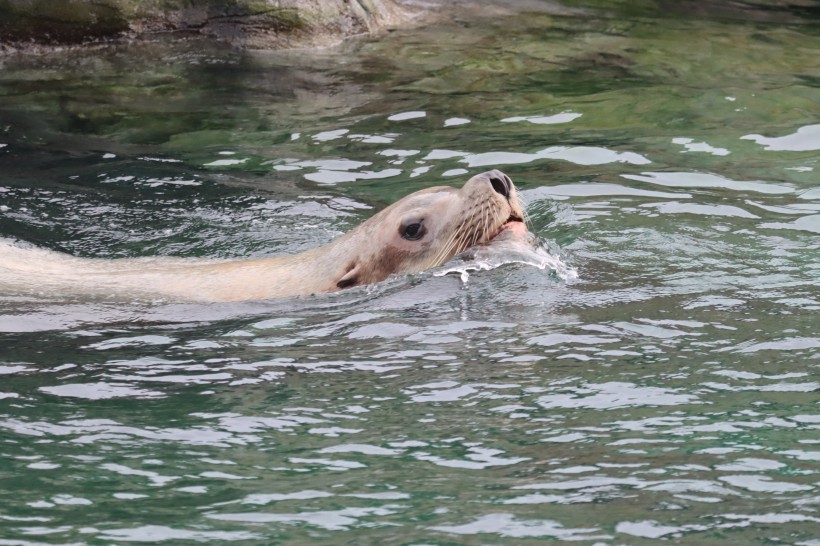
x=257 y=24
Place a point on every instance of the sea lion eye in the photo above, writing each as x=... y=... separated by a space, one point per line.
x=413 y=231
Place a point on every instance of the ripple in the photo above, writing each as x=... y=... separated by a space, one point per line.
x=507 y=525
x=225 y=162
x=329 y=520
x=453 y=122
x=692 y=146
x=591 y=155
x=746 y=519
x=154 y=478
x=674 y=207
x=804 y=139
x=385 y=330
x=337 y=177
x=772 y=387
x=809 y=223
x=476 y=458
x=569 y=339
x=652 y=529
x=763 y=484
x=103 y=431
x=443 y=154
x=99 y=391
x=590 y=482
x=801 y=455
x=580 y=155
x=786 y=344
x=403 y=116
x=613 y=395
x=750 y=464
x=327 y=136
x=444 y=392
x=595 y=190
x=658 y=328
x=119 y=343
x=398 y=153
x=364 y=449
x=330 y=164
x=383 y=138
x=161 y=533
x=159 y=159
x=563 y=117
x=704 y=180
x=268 y=498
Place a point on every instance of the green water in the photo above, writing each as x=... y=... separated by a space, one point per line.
x=668 y=394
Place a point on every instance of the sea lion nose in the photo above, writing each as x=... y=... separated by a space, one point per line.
x=501 y=183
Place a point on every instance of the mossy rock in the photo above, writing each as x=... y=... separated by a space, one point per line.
x=54 y=22
x=248 y=23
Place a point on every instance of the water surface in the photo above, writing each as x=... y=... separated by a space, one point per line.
x=669 y=393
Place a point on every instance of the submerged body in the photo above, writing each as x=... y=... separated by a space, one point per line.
x=422 y=230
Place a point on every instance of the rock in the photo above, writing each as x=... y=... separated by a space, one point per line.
x=246 y=23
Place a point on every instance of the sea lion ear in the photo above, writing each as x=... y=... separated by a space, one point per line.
x=350 y=278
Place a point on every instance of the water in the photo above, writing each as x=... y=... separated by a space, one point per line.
x=669 y=393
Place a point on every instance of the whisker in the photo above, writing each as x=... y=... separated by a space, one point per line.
x=465 y=235
x=477 y=226
x=439 y=258
x=524 y=206
x=474 y=232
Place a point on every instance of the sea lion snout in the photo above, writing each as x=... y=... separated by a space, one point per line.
x=500 y=182
x=497 y=184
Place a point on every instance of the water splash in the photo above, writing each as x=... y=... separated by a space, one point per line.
x=512 y=248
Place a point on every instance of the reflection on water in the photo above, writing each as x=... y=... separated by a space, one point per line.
x=647 y=372
x=804 y=139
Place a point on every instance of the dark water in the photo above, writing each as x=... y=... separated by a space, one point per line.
x=668 y=394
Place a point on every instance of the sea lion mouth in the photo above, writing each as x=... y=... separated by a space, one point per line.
x=513 y=220
x=513 y=223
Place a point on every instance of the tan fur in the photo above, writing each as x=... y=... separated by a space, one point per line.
x=454 y=219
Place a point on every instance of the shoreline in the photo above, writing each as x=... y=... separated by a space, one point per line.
x=290 y=24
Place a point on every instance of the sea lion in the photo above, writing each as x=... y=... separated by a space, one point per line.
x=422 y=230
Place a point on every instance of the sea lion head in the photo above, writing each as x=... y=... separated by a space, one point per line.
x=427 y=228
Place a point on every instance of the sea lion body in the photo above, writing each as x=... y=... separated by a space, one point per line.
x=422 y=230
